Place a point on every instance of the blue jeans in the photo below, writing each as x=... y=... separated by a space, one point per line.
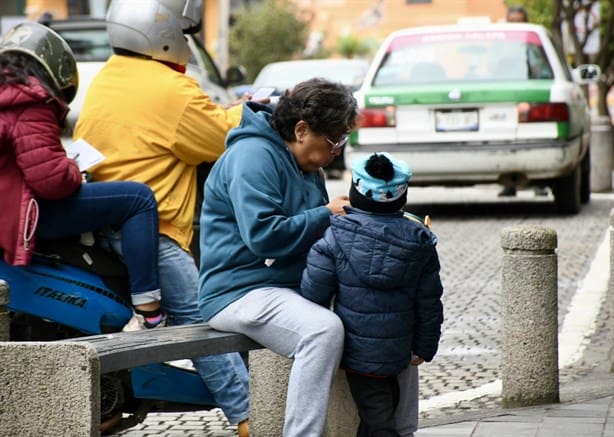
x=130 y=206
x=224 y=375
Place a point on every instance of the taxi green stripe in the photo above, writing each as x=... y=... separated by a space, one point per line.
x=478 y=92
x=535 y=91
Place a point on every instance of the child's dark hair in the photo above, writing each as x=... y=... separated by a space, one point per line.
x=18 y=68
x=328 y=108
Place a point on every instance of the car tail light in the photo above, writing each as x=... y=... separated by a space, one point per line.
x=536 y=112
x=378 y=117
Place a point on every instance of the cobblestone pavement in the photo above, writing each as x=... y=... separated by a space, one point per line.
x=468 y=223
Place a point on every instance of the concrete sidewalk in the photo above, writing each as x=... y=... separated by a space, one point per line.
x=586 y=410
x=591 y=418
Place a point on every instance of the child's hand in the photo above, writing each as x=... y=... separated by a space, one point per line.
x=416 y=360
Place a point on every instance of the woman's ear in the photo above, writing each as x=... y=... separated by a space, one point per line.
x=300 y=130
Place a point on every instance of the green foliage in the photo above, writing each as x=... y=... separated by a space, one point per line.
x=265 y=32
x=540 y=11
x=350 y=46
x=544 y=11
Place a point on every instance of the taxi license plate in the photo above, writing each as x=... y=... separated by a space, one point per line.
x=456 y=120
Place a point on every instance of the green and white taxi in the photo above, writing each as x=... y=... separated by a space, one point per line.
x=479 y=103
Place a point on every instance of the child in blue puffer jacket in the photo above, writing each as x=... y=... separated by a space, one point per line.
x=380 y=270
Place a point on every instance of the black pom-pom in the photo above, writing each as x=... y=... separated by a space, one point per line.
x=380 y=167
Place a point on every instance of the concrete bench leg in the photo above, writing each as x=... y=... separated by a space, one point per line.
x=269 y=374
x=49 y=389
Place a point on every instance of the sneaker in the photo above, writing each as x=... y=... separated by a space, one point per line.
x=185 y=364
x=138 y=323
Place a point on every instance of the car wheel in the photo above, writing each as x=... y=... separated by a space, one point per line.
x=567 y=192
x=585 y=178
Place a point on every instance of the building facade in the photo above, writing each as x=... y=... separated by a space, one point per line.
x=328 y=19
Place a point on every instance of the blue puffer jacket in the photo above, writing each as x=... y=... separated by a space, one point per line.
x=383 y=272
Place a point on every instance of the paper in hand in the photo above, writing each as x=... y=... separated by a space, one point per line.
x=262 y=93
x=84 y=154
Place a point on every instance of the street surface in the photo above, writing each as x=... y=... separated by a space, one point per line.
x=464 y=376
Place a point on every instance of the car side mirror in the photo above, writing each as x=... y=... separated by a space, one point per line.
x=235 y=75
x=586 y=73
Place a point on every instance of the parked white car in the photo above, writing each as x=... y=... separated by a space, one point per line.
x=479 y=103
x=285 y=74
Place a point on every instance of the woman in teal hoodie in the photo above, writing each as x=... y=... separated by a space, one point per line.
x=265 y=205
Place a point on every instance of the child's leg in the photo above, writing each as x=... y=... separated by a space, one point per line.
x=406 y=414
x=129 y=205
x=375 y=399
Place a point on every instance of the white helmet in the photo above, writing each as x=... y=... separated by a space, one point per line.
x=154 y=28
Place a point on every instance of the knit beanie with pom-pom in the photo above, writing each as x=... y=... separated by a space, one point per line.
x=379 y=183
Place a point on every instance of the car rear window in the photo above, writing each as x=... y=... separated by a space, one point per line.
x=463 y=56
x=88 y=45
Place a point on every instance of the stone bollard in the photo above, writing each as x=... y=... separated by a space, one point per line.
x=601 y=154
x=529 y=345
x=4 y=315
x=269 y=375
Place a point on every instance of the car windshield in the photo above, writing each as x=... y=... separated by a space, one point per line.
x=285 y=75
x=88 y=44
x=463 y=56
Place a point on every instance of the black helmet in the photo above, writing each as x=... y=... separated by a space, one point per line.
x=49 y=49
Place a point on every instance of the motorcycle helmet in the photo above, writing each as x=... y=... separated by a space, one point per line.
x=49 y=49
x=154 y=28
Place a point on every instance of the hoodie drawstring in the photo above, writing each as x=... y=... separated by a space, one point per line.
x=31 y=222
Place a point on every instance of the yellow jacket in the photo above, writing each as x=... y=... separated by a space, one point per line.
x=154 y=125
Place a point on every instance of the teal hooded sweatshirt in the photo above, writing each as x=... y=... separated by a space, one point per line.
x=260 y=216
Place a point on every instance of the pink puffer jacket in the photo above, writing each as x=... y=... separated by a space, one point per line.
x=33 y=164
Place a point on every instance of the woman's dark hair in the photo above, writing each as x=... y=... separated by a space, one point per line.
x=17 y=67
x=328 y=108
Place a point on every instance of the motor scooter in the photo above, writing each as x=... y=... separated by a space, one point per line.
x=71 y=289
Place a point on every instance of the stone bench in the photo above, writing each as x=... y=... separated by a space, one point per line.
x=125 y=350
x=53 y=388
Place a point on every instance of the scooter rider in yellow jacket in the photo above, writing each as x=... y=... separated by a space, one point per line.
x=155 y=125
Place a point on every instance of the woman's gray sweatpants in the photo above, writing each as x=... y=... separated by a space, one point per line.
x=286 y=323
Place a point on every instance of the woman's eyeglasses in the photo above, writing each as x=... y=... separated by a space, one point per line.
x=339 y=144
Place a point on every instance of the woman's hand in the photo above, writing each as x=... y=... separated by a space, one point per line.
x=246 y=97
x=240 y=101
x=336 y=205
